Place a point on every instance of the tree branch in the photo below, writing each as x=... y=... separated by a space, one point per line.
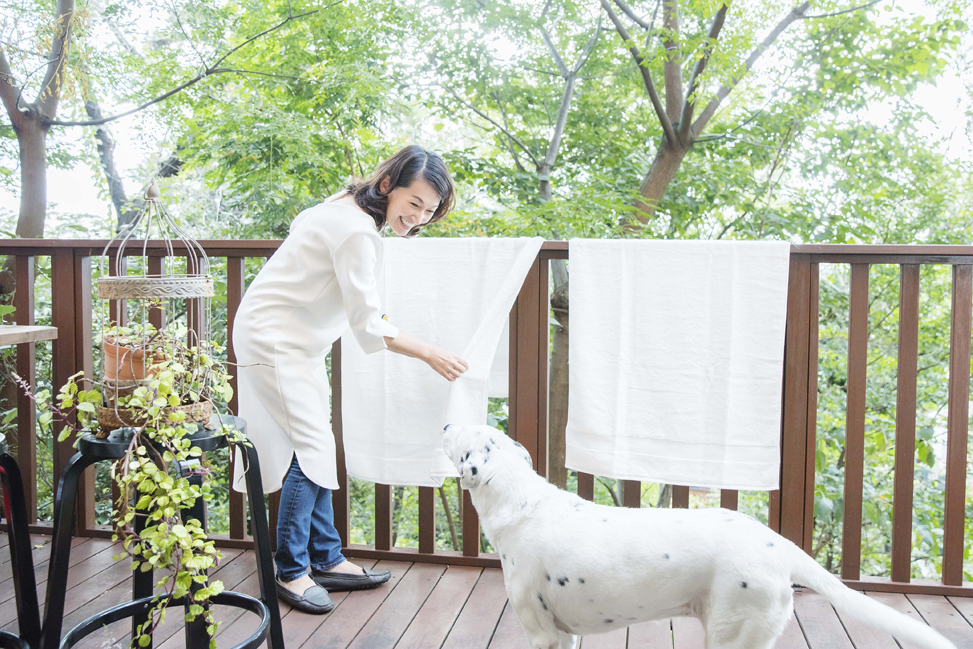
x=271 y=29
x=554 y=53
x=213 y=69
x=708 y=112
x=646 y=77
x=672 y=67
x=257 y=72
x=631 y=14
x=562 y=117
x=8 y=90
x=97 y=122
x=507 y=142
x=685 y=120
x=47 y=98
x=588 y=49
x=839 y=13
x=476 y=110
x=183 y=30
x=120 y=36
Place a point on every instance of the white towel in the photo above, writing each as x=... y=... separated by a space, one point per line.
x=676 y=361
x=454 y=293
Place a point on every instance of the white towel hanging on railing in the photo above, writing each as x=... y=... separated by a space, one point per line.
x=454 y=293
x=676 y=361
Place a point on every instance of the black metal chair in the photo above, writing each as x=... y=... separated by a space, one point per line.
x=22 y=564
x=91 y=450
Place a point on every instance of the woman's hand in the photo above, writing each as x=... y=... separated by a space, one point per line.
x=445 y=363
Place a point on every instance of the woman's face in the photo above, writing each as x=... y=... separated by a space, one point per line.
x=410 y=206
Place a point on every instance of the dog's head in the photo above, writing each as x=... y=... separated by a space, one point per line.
x=479 y=452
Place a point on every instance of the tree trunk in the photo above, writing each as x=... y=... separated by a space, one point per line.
x=32 y=140
x=544 y=181
x=106 y=152
x=660 y=174
x=558 y=384
x=33 y=176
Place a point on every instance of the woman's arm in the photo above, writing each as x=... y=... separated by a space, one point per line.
x=443 y=361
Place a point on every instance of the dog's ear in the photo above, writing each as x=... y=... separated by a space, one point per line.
x=524 y=454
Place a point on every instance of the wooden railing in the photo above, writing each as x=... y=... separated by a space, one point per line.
x=791 y=509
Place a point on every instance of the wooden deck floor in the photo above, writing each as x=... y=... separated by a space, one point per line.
x=427 y=606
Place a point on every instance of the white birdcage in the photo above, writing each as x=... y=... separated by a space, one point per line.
x=164 y=306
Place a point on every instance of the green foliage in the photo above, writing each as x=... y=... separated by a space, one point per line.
x=154 y=477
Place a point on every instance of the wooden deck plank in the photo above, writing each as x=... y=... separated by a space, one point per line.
x=8 y=609
x=792 y=637
x=940 y=614
x=900 y=603
x=687 y=633
x=40 y=555
x=864 y=636
x=453 y=607
x=434 y=620
x=964 y=605
x=616 y=639
x=820 y=623
x=234 y=568
x=236 y=624
x=343 y=623
x=509 y=633
x=650 y=635
x=478 y=620
x=393 y=617
x=35 y=540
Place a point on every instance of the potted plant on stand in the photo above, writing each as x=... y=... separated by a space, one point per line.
x=152 y=413
x=160 y=476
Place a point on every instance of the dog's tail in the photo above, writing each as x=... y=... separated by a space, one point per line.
x=807 y=572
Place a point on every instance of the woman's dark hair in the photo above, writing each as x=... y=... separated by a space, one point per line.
x=408 y=165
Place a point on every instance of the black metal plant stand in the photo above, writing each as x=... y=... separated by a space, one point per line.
x=22 y=564
x=91 y=450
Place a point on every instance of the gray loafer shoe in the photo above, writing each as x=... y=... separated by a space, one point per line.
x=314 y=600
x=337 y=581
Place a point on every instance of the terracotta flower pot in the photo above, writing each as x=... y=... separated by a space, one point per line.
x=127 y=364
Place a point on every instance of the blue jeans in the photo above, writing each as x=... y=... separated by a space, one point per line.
x=306 y=535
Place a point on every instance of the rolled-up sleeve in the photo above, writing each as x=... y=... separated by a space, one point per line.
x=355 y=262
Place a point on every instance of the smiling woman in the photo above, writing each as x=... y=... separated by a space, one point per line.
x=320 y=282
x=408 y=191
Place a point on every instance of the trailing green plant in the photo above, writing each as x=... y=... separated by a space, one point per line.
x=154 y=477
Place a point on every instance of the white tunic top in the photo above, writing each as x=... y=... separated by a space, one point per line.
x=320 y=281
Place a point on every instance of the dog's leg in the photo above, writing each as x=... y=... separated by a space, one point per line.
x=538 y=624
x=753 y=623
x=567 y=641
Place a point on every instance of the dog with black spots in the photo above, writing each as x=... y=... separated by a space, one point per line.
x=575 y=568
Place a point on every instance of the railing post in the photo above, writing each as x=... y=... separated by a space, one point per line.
x=957 y=425
x=787 y=504
x=340 y=500
x=851 y=527
x=234 y=295
x=812 y=409
x=64 y=354
x=427 y=520
x=905 y=422
x=383 y=517
x=528 y=384
x=84 y=362
x=27 y=370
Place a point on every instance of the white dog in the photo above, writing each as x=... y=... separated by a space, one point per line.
x=573 y=568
